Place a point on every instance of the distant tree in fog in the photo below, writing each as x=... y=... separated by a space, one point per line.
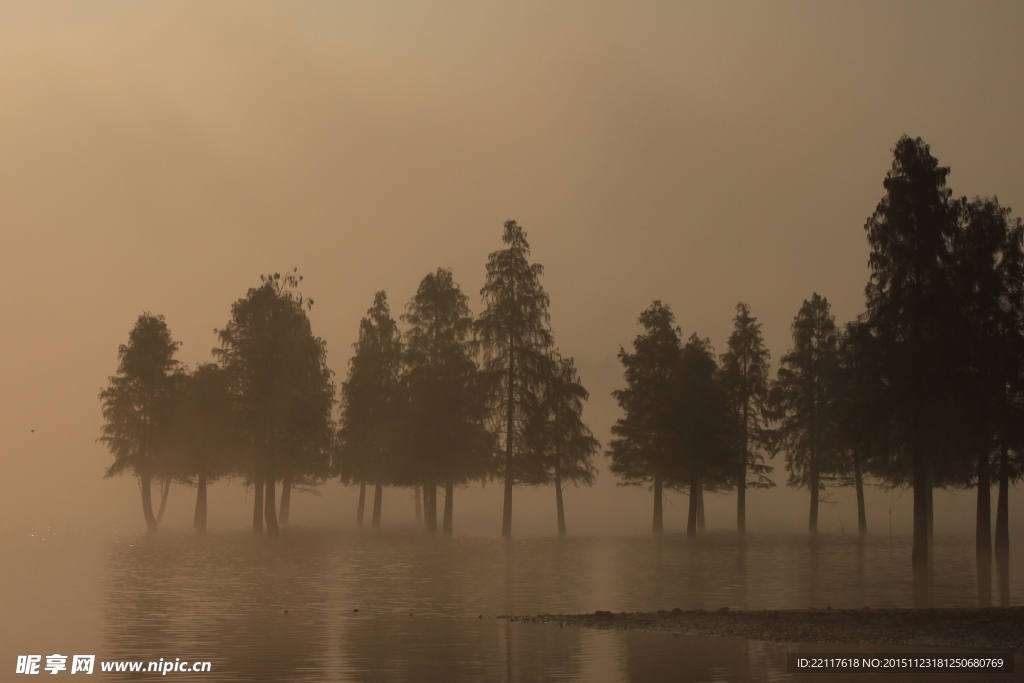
x=643 y=450
x=135 y=406
x=371 y=406
x=207 y=442
x=803 y=399
x=861 y=415
x=445 y=441
x=744 y=375
x=557 y=436
x=278 y=374
x=513 y=329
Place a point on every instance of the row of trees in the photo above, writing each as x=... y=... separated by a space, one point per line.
x=455 y=400
x=924 y=389
x=450 y=401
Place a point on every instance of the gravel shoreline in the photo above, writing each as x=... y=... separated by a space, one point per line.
x=995 y=628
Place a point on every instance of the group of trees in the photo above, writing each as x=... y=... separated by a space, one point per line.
x=925 y=389
x=449 y=401
x=263 y=414
x=454 y=400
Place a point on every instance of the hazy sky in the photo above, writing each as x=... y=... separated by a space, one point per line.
x=160 y=157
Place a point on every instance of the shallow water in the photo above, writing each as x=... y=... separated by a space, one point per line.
x=427 y=606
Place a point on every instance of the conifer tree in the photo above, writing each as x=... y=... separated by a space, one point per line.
x=446 y=442
x=744 y=373
x=643 y=451
x=911 y=310
x=516 y=339
x=136 y=404
x=803 y=402
x=371 y=408
x=563 y=443
x=279 y=377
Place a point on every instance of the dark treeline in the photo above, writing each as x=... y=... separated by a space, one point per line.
x=925 y=389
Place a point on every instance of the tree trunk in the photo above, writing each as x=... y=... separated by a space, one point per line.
x=1003 y=508
x=286 y=501
x=165 y=489
x=145 y=480
x=199 y=520
x=506 y=514
x=691 y=518
x=419 y=509
x=378 y=495
x=558 y=498
x=449 y=501
x=362 y=503
x=741 y=481
x=657 y=526
x=930 y=491
x=257 y=507
x=700 y=505
x=862 y=519
x=983 y=523
x=815 y=483
x=430 y=506
x=270 y=505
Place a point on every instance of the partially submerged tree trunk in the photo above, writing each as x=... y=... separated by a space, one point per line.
x=506 y=514
x=430 y=506
x=657 y=526
x=741 y=479
x=700 y=506
x=691 y=518
x=449 y=497
x=270 y=505
x=286 y=501
x=815 y=493
x=164 y=490
x=558 y=498
x=362 y=503
x=920 y=553
x=983 y=522
x=1002 y=545
x=257 y=507
x=378 y=495
x=199 y=519
x=145 y=481
x=862 y=519
x=419 y=509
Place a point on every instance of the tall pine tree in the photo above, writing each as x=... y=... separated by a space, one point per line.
x=516 y=338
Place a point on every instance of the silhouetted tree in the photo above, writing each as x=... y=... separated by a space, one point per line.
x=862 y=418
x=446 y=441
x=513 y=329
x=989 y=277
x=135 y=405
x=909 y=299
x=558 y=435
x=803 y=401
x=744 y=374
x=371 y=412
x=643 y=451
x=279 y=376
x=703 y=427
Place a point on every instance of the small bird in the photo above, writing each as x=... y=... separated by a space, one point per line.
x=32 y=430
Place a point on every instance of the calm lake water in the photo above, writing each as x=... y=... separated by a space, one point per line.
x=427 y=606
